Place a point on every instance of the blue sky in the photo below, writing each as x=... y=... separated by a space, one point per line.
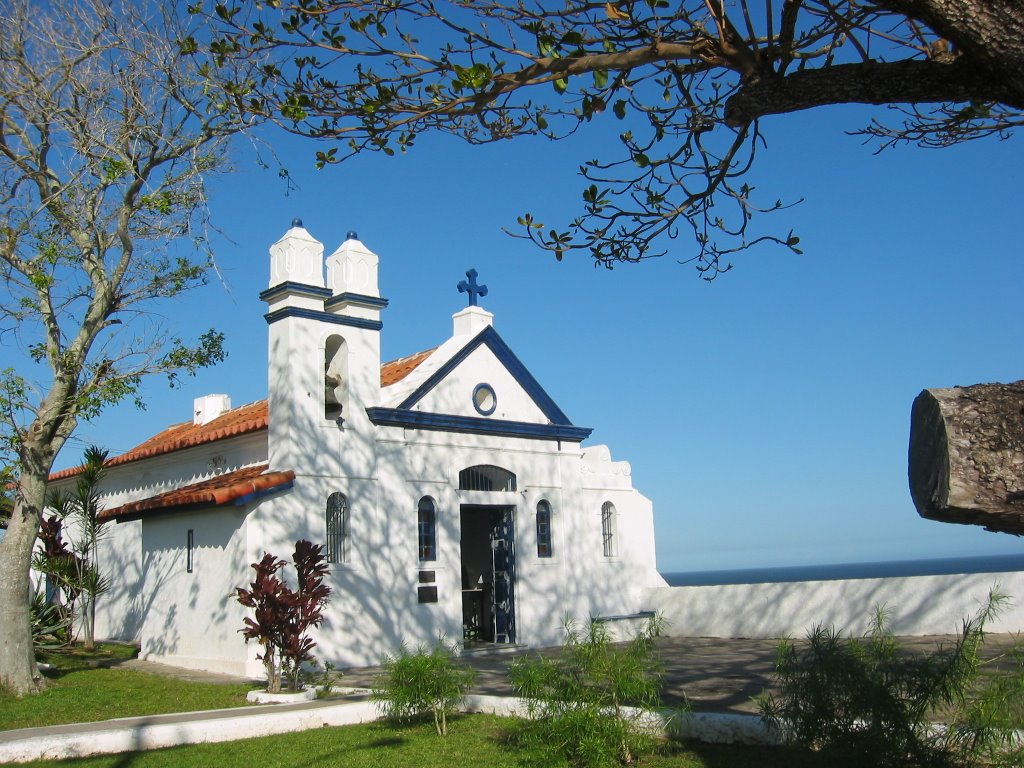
x=765 y=414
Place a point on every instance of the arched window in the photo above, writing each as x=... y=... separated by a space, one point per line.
x=485 y=477
x=608 y=528
x=543 y=529
x=427 y=529
x=337 y=528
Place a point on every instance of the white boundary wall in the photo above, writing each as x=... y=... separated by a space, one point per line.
x=919 y=605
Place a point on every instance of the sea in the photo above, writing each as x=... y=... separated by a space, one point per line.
x=887 y=568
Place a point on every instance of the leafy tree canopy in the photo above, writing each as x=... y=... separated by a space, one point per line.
x=688 y=81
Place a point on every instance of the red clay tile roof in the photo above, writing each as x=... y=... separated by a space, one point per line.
x=216 y=492
x=237 y=421
x=396 y=370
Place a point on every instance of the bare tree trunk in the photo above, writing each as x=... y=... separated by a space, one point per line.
x=966 y=457
x=18 y=672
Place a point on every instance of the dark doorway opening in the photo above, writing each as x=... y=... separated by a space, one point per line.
x=488 y=574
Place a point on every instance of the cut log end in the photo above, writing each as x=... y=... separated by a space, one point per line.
x=966 y=456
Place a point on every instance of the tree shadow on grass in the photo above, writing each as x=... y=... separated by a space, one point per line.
x=388 y=735
x=675 y=753
x=386 y=741
x=742 y=756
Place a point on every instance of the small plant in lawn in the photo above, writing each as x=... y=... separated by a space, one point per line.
x=591 y=706
x=322 y=678
x=866 y=701
x=415 y=683
x=282 y=616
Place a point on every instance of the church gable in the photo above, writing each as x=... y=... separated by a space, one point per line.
x=478 y=386
x=485 y=378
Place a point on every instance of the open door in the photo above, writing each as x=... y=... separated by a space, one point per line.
x=503 y=562
x=488 y=574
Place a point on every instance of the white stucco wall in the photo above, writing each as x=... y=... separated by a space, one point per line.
x=192 y=619
x=919 y=605
x=120 y=611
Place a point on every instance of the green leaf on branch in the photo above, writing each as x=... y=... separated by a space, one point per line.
x=792 y=241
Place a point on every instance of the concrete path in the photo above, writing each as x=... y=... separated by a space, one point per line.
x=718 y=676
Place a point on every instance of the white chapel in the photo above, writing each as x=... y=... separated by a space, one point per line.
x=453 y=496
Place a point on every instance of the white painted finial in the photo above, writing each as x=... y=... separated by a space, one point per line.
x=297 y=258
x=353 y=269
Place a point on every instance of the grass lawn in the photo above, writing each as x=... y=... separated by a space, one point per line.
x=475 y=741
x=80 y=691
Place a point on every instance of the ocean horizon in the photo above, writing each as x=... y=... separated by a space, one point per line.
x=831 y=572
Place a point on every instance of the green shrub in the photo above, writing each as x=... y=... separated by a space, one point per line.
x=588 y=706
x=415 y=683
x=866 y=701
x=51 y=623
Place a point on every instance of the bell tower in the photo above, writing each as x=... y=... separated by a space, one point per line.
x=324 y=351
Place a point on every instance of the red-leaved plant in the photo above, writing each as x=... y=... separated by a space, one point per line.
x=282 y=616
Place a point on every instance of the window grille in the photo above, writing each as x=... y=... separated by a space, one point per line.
x=608 y=528
x=427 y=524
x=486 y=478
x=543 y=529
x=337 y=528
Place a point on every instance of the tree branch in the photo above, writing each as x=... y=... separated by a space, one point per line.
x=898 y=82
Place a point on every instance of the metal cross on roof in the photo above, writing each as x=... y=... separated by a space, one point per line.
x=472 y=288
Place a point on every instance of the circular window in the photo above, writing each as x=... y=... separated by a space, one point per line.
x=484 y=399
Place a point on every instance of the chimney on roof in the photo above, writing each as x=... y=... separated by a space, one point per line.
x=209 y=407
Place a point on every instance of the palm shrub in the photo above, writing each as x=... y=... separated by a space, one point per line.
x=282 y=616
x=866 y=701
x=423 y=681
x=51 y=623
x=73 y=565
x=63 y=569
x=592 y=704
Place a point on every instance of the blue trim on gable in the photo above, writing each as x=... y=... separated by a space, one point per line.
x=359 y=299
x=489 y=337
x=325 y=317
x=315 y=291
x=398 y=417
